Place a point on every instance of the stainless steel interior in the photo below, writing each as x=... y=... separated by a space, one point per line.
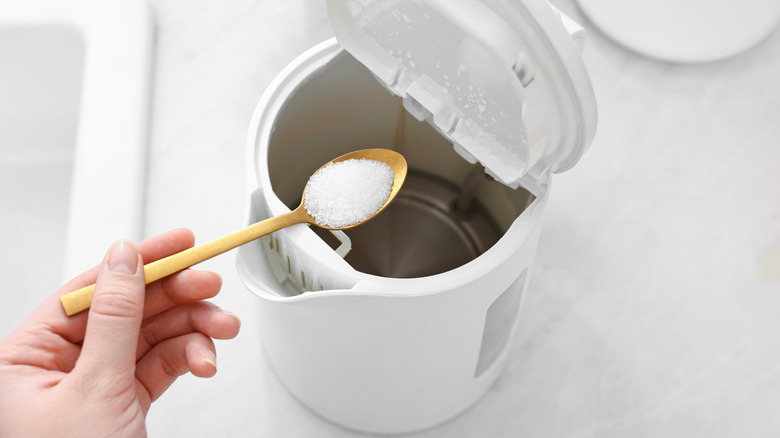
x=421 y=233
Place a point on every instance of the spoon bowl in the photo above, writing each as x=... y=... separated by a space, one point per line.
x=81 y=299
x=393 y=159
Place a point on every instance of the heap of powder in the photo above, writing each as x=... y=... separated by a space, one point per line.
x=347 y=192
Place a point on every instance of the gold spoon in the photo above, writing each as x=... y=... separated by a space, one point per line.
x=79 y=300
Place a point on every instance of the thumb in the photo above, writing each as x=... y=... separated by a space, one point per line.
x=114 y=320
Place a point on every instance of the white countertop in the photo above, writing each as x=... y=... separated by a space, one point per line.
x=648 y=313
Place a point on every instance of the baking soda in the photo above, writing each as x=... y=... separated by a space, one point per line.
x=347 y=192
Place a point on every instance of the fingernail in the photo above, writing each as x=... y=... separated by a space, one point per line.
x=209 y=357
x=123 y=258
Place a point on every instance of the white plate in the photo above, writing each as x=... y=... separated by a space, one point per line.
x=685 y=30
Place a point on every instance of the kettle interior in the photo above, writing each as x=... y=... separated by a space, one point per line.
x=448 y=213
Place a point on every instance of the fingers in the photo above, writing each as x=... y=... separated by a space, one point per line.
x=115 y=316
x=187 y=286
x=151 y=249
x=72 y=328
x=202 y=317
x=160 y=367
x=184 y=287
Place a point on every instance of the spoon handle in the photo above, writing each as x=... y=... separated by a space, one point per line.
x=79 y=300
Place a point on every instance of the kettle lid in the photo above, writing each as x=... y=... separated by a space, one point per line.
x=502 y=79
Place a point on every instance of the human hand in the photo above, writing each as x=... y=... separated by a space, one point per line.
x=97 y=373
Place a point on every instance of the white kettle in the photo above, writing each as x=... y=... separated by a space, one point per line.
x=403 y=322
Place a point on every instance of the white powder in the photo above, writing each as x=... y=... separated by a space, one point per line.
x=347 y=192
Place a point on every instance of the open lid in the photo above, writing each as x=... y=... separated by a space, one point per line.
x=502 y=79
